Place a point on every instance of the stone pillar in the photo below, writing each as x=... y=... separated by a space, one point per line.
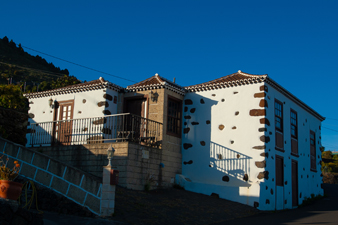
x=108 y=193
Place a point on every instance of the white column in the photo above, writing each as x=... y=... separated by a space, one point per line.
x=108 y=193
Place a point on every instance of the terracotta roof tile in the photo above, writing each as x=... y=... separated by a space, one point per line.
x=234 y=79
x=90 y=85
x=156 y=82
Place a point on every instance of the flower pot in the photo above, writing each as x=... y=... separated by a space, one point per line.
x=10 y=189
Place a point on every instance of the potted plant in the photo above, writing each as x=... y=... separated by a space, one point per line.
x=8 y=188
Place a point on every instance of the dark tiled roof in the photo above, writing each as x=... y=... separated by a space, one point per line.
x=156 y=82
x=234 y=79
x=88 y=86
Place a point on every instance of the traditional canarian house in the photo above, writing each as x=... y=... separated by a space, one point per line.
x=242 y=137
x=247 y=139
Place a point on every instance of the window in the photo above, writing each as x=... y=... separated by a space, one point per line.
x=294 y=132
x=279 y=116
x=174 y=117
x=313 y=149
x=294 y=128
x=279 y=125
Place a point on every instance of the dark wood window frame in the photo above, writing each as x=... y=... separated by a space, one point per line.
x=279 y=136
x=313 y=151
x=294 y=132
x=174 y=116
x=279 y=116
x=294 y=124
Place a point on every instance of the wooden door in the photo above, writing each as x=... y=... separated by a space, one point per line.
x=136 y=125
x=294 y=171
x=279 y=182
x=63 y=128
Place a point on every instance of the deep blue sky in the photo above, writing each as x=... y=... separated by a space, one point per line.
x=294 y=42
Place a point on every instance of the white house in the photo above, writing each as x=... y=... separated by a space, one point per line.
x=242 y=137
x=81 y=101
x=247 y=139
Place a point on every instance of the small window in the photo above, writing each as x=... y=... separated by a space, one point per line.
x=294 y=128
x=279 y=116
x=174 y=117
x=313 y=149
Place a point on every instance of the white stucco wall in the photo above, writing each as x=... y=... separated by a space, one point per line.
x=245 y=141
x=309 y=182
x=227 y=152
x=85 y=105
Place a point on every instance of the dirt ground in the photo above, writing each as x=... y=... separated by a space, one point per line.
x=175 y=206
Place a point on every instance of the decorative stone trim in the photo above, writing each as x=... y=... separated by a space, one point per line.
x=225 y=178
x=264 y=174
x=263 y=103
x=265 y=139
x=188 y=102
x=263 y=88
x=102 y=103
x=192 y=110
x=265 y=121
x=262 y=147
x=187 y=145
x=186 y=130
x=257 y=112
x=260 y=95
x=31 y=115
x=188 y=163
x=108 y=97
x=106 y=112
x=261 y=164
x=262 y=129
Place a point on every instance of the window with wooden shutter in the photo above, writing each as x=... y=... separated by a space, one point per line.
x=279 y=125
x=294 y=132
x=313 y=150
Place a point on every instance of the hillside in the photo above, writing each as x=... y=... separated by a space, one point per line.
x=18 y=67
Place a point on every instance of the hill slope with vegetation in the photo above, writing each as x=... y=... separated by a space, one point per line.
x=30 y=73
x=21 y=73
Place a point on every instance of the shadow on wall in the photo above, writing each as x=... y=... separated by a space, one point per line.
x=230 y=162
x=208 y=167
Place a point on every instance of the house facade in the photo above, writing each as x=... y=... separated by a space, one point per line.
x=92 y=99
x=242 y=137
x=148 y=113
x=249 y=140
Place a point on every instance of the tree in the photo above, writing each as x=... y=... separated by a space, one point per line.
x=65 y=81
x=11 y=97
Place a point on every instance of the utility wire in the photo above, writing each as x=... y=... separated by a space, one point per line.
x=80 y=65
x=330 y=129
x=36 y=70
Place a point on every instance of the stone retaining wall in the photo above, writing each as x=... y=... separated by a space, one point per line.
x=137 y=164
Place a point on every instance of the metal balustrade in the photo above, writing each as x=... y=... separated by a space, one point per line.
x=113 y=128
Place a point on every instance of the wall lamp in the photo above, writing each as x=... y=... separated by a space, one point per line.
x=153 y=96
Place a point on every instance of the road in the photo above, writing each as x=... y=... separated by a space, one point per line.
x=323 y=211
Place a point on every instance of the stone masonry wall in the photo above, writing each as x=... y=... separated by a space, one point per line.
x=171 y=156
x=135 y=162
